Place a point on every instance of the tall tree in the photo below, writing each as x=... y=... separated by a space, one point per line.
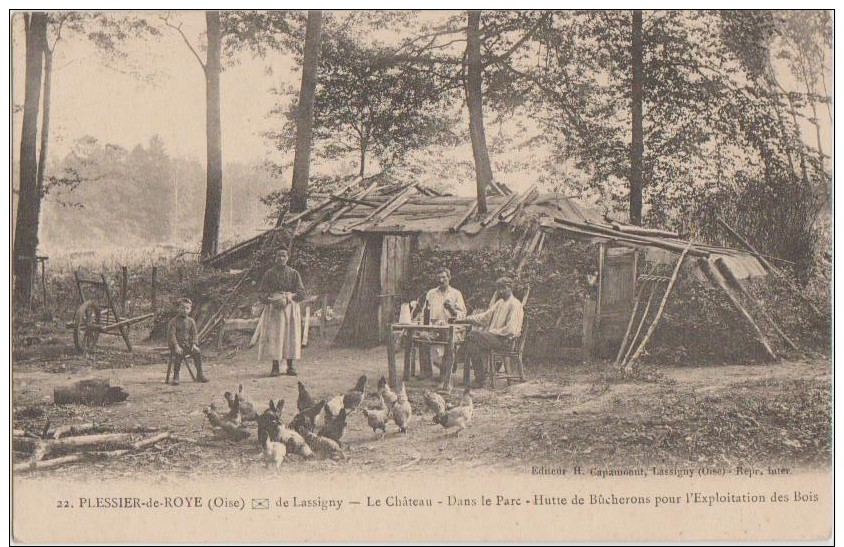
x=474 y=101
x=305 y=117
x=211 y=68
x=214 y=145
x=369 y=105
x=29 y=198
x=637 y=148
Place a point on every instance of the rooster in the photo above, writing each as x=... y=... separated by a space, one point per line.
x=387 y=393
x=401 y=410
x=354 y=398
x=459 y=416
x=304 y=421
x=305 y=400
x=377 y=418
x=435 y=403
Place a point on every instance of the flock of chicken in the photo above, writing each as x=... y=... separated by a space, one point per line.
x=328 y=419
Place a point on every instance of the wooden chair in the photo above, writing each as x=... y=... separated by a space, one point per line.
x=508 y=357
x=185 y=362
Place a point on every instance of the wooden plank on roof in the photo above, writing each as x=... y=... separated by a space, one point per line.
x=356 y=201
x=639 y=231
x=469 y=212
x=384 y=211
x=643 y=240
x=494 y=215
x=518 y=203
x=343 y=210
x=322 y=205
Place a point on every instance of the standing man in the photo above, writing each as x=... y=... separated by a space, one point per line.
x=499 y=325
x=443 y=302
x=281 y=324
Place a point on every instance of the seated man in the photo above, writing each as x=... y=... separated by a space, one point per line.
x=443 y=302
x=500 y=324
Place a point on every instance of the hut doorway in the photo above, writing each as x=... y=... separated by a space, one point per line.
x=617 y=270
x=377 y=284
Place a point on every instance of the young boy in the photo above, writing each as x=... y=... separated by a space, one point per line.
x=181 y=337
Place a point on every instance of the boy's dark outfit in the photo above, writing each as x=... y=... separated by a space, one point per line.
x=181 y=332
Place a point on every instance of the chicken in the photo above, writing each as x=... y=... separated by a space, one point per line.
x=234 y=407
x=273 y=453
x=245 y=407
x=248 y=412
x=305 y=400
x=334 y=405
x=354 y=398
x=334 y=425
x=224 y=428
x=435 y=403
x=295 y=443
x=304 y=421
x=387 y=393
x=401 y=410
x=324 y=445
x=269 y=423
x=377 y=418
x=459 y=416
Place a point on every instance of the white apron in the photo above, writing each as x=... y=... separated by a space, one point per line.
x=281 y=332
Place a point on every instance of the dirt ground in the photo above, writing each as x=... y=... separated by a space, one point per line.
x=565 y=414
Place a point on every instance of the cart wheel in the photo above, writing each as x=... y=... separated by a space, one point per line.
x=86 y=326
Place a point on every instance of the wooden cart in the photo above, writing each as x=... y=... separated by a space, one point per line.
x=99 y=316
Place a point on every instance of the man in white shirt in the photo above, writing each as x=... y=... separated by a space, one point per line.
x=444 y=302
x=499 y=325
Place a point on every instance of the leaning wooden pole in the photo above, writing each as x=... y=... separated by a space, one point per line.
x=661 y=309
x=770 y=267
x=731 y=278
x=635 y=338
x=624 y=340
x=716 y=276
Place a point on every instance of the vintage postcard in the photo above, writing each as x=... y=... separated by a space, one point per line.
x=432 y=276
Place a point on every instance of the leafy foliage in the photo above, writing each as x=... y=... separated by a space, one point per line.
x=368 y=104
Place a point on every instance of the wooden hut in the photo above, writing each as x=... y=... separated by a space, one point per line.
x=388 y=223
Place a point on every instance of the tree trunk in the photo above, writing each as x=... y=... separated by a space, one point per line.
x=45 y=118
x=474 y=100
x=29 y=197
x=305 y=116
x=637 y=150
x=214 y=146
x=362 y=161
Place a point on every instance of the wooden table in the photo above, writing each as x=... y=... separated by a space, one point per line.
x=440 y=335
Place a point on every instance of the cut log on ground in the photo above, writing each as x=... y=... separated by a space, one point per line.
x=81 y=442
x=78 y=429
x=34 y=464
x=89 y=392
